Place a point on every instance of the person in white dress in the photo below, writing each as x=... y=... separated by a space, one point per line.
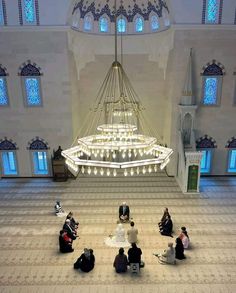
x=167 y=256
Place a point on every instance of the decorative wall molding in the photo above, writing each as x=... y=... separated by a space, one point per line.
x=29 y=68
x=7 y=144
x=213 y=68
x=206 y=142
x=231 y=143
x=37 y=143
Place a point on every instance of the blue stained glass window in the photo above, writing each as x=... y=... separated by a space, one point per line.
x=32 y=90
x=206 y=161
x=212 y=11
x=103 y=25
x=29 y=11
x=154 y=23
x=1 y=14
x=139 y=24
x=232 y=161
x=9 y=163
x=3 y=92
x=121 y=25
x=40 y=163
x=210 y=91
x=88 y=23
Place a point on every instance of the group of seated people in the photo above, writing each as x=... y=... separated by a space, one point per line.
x=121 y=261
x=68 y=234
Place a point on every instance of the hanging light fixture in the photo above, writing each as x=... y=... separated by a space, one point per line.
x=114 y=135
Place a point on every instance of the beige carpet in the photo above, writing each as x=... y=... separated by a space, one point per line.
x=30 y=261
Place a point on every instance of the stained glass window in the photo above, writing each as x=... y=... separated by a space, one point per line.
x=206 y=161
x=88 y=23
x=212 y=11
x=154 y=23
x=9 y=163
x=3 y=92
x=103 y=25
x=32 y=90
x=29 y=11
x=139 y=24
x=232 y=161
x=40 y=163
x=210 y=91
x=1 y=14
x=121 y=25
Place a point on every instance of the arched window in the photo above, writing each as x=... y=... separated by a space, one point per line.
x=8 y=158
x=165 y=17
x=75 y=19
x=139 y=24
x=31 y=84
x=206 y=145
x=103 y=24
x=4 y=100
x=154 y=23
x=231 y=145
x=212 y=76
x=121 y=25
x=39 y=157
x=29 y=12
x=88 y=23
x=212 y=11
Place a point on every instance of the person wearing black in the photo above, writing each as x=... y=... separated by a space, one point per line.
x=74 y=224
x=124 y=212
x=166 y=228
x=86 y=261
x=179 y=249
x=65 y=242
x=134 y=255
x=120 y=262
x=163 y=218
x=70 y=231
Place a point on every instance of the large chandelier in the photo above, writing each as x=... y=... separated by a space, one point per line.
x=116 y=135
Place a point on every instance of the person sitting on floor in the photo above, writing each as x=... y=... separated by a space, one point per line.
x=179 y=249
x=65 y=242
x=58 y=208
x=184 y=237
x=132 y=233
x=134 y=255
x=163 y=218
x=166 y=228
x=168 y=255
x=124 y=212
x=74 y=224
x=86 y=261
x=71 y=232
x=120 y=262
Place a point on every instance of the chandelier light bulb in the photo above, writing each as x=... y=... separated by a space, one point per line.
x=137 y=171
x=114 y=172
x=95 y=171
x=82 y=169
x=101 y=171
x=108 y=172
x=114 y=155
x=144 y=170
x=125 y=172
x=89 y=170
x=150 y=169
x=131 y=171
x=129 y=154
x=123 y=155
x=155 y=168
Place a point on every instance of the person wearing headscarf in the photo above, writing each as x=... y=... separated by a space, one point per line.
x=184 y=237
x=163 y=218
x=65 y=242
x=86 y=261
x=179 y=249
x=120 y=262
x=168 y=255
x=132 y=233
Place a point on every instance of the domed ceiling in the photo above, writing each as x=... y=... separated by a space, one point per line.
x=127 y=9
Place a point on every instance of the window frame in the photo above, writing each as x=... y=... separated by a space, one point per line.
x=230 y=150
x=219 y=79
x=150 y=21
x=15 y=161
x=122 y=18
x=135 y=24
x=4 y=78
x=108 y=24
x=33 y=167
x=210 y=150
x=92 y=23
x=25 y=22
x=24 y=91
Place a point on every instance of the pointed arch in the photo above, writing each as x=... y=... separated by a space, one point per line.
x=8 y=159
x=75 y=22
x=121 y=24
x=88 y=22
x=138 y=24
x=154 y=22
x=104 y=24
x=4 y=98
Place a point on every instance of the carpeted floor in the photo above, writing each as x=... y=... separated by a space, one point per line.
x=30 y=261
